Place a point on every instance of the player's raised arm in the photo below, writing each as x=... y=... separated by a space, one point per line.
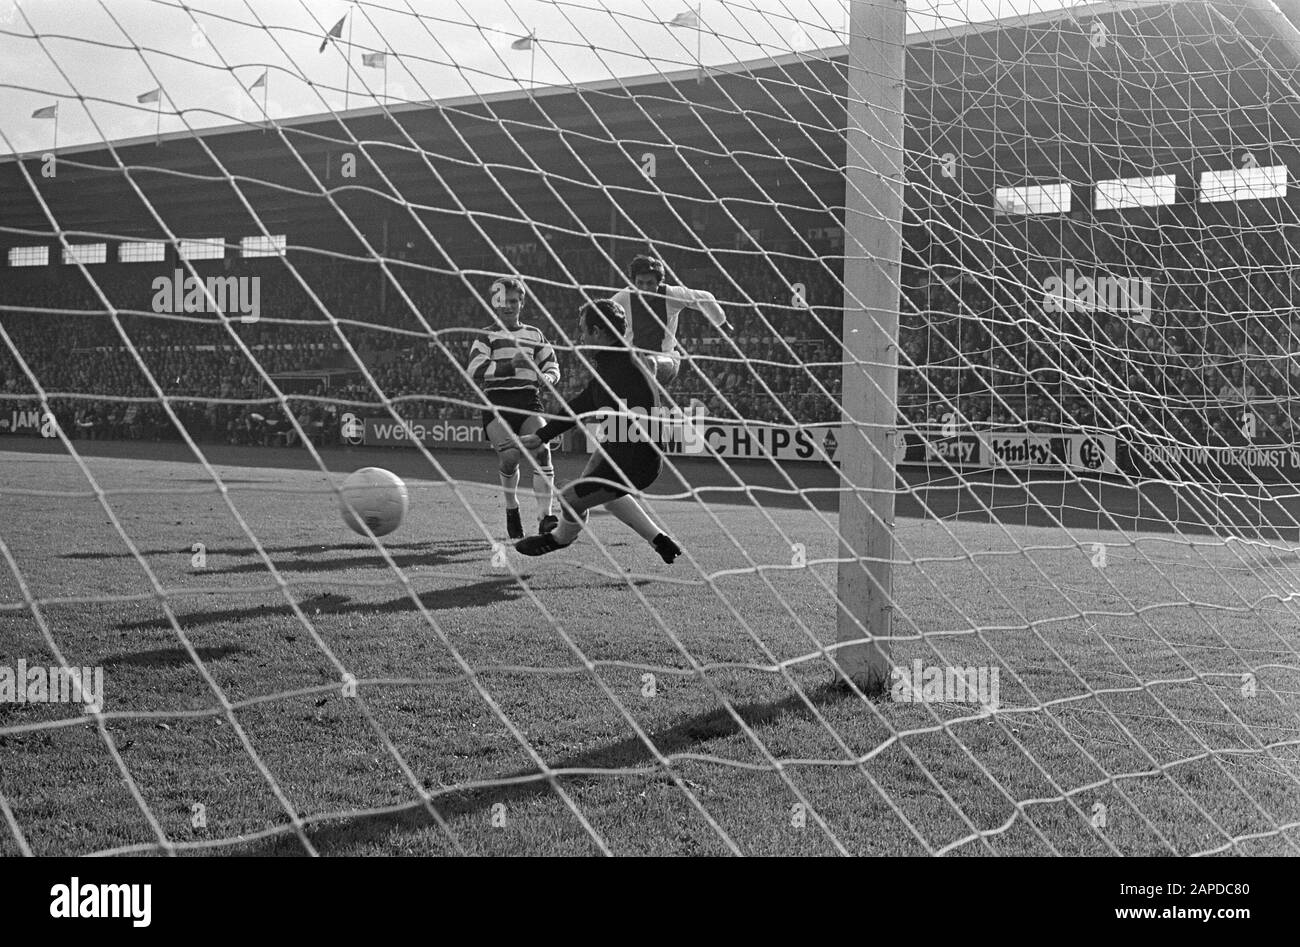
x=703 y=302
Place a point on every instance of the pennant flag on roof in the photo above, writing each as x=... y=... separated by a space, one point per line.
x=335 y=32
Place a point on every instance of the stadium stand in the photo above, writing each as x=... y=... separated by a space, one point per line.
x=1221 y=346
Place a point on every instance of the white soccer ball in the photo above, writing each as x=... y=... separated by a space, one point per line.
x=377 y=497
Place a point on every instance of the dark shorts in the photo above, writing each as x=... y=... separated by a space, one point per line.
x=630 y=473
x=516 y=407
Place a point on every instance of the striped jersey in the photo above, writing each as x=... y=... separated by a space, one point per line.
x=491 y=355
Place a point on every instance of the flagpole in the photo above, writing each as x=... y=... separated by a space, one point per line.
x=385 y=75
x=266 y=82
x=699 y=39
x=157 y=128
x=347 y=77
x=56 y=128
x=532 y=56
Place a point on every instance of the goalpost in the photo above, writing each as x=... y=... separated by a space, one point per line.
x=990 y=541
x=873 y=236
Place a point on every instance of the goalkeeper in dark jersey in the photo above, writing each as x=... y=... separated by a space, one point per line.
x=623 y=463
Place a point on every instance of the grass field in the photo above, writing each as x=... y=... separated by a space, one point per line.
x=505 y=709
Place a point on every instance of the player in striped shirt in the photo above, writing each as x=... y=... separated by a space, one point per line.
x=653 y=309
x=507 y=364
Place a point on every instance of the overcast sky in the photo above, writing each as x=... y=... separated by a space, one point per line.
x=112 y=51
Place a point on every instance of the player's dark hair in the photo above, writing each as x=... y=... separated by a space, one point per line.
x=646 y=264
x=505 y=284
x=605 y=314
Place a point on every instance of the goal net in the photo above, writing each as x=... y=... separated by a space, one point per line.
x=976 y=354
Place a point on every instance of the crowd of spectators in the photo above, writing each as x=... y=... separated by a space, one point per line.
x=1212 y=361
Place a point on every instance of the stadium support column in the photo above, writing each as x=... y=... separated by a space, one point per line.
x=872 y=248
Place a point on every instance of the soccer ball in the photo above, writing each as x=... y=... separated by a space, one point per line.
x=376 y=496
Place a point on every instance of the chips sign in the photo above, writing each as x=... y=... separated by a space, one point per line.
x=1015 y=449
x=748 y=442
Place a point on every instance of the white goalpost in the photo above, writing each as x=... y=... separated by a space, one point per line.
x=873 y=234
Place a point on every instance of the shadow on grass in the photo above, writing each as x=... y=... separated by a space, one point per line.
x=428 y=555
x=306 y=550
x=317 y=558
x=631 y=752
x=169 y=657
x=475 y=595
x=491 y=591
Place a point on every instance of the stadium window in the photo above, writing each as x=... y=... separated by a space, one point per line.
x=29 y=256
x=1243 y=184
x=206 y=248
x=1120 y=193
x=85 y=253
x=1032 y=199
x=152 y=251
x=262 y=246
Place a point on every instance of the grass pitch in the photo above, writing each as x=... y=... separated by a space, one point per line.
x=598 y=701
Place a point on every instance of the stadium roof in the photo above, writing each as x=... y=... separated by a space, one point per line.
x=619 y=83
x=1030 y=98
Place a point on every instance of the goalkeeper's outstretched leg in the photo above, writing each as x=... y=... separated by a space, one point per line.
x=597 y=488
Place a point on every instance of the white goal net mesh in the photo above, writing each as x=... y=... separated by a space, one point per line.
x=251 y=249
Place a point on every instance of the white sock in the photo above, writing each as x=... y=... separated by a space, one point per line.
x=544 y=489
x=627 y=510
x=510 y=484
x=568 y=529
